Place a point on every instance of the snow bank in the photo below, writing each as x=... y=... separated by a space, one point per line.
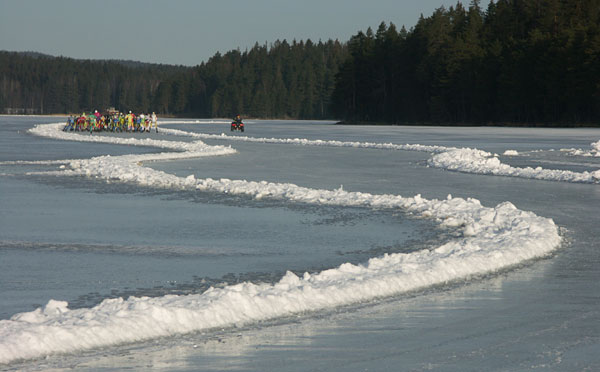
x=595 y=151
x=493 y=239
x=464 y=160
x=307 y=142
x=498 y=237
x=482 y=162
x=54 y=131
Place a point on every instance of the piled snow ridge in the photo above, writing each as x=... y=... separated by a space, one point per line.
x=307 y=142
x=464 y=160
x=54 y=131
x=595 y=151
x=493 y=239
x=482 y=162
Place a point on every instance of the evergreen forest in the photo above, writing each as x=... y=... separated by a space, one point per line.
x=517 y=62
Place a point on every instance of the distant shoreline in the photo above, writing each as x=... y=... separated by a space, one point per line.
x=503 y=125
x=367 y=123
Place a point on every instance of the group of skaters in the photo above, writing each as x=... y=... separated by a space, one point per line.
x=112 y=122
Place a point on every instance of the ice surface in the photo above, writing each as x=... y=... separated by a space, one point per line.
x=308 y=142
x=492 y=239
x=463 y=160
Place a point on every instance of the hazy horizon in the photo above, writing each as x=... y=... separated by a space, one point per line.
x=187 y=32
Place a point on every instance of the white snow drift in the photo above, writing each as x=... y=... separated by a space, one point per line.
x=307 y=142
x=595 y=151
x=483 y=162
x=451 y=158
x=492 y=239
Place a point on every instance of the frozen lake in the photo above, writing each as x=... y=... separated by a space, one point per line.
x=185 y=225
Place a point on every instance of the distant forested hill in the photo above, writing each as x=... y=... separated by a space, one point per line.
x=284 y=80
x=44 y=84
x=534 y=62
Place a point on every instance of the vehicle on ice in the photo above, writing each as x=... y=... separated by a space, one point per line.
x=237 y=124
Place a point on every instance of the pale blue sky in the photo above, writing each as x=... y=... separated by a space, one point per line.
x=188 y=32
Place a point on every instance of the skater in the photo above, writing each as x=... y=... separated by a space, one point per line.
x=154 y=121
x=70 y=124
x=142 y=120
x=129 y=118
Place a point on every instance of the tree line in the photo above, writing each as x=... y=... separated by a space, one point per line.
x=41 y=84
x=517 y=61
x=283 y=80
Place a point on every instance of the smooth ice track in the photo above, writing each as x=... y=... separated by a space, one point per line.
x=492 y=239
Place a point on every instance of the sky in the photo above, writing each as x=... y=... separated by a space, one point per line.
x=188 y=32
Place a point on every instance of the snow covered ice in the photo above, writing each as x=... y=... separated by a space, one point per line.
x=490 y=239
